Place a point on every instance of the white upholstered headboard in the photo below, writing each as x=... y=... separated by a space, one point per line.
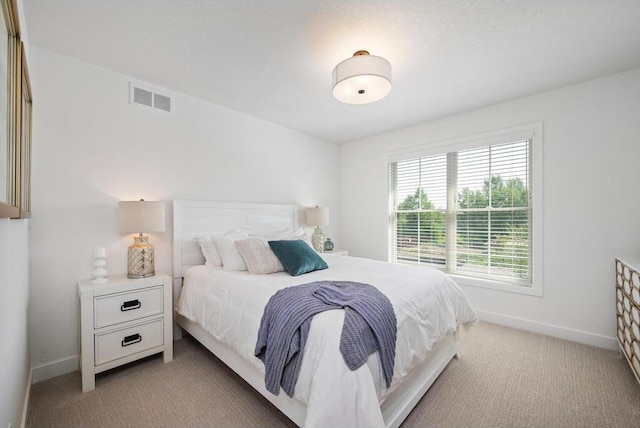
x=206 y=218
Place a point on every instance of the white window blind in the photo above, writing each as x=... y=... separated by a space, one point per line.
x=467 y=212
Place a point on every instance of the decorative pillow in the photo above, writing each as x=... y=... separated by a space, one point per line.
x=209 y=251
x=297 y=257
x=231 y=258
x=258 y=256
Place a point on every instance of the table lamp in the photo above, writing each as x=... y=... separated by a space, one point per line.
x=317 y=216
x=138 y=217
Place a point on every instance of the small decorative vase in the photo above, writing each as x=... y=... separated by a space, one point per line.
x=328 y=245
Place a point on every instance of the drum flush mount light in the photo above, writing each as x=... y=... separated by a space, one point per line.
x=362 y=79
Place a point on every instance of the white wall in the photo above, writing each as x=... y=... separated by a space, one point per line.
x=92 y=149
x=14 y=301
x=591 y=200
x=14 y=289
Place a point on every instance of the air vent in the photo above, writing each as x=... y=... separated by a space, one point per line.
x=149 y=98
x=162 y=102
x=142 y=96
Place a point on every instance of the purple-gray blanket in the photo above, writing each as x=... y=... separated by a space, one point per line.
x=369 y=326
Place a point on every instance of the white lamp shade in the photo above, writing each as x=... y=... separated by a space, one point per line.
x=362 y=79
x=317 y=216
x=141 y=216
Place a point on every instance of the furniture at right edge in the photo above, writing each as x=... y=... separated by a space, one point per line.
x=628 y=311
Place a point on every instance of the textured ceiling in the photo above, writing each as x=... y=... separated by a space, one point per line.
x=272 y=59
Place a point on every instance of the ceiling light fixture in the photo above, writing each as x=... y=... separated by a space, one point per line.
x=362 y=79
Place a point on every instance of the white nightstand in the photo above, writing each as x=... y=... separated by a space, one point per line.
x=123 y=320
x=338 y=252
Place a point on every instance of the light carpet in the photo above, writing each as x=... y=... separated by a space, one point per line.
x=503 y=378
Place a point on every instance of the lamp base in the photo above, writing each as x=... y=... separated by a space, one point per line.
x=132 y=276
x=317 y=240
x=140 y=260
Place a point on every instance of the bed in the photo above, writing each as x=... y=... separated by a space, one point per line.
x=327 y=393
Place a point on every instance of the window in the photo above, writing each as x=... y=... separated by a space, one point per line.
x=467 y=207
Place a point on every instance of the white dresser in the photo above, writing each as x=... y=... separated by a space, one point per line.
x=628 y=310
x=121 y=321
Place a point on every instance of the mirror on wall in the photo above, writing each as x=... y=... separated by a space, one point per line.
x=25 y=140
x=4 y=101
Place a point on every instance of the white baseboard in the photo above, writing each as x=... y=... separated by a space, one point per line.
x=55 y=368
x=592 y=339
x=25 y=403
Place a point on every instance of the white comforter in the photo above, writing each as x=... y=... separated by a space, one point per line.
x=428 y=305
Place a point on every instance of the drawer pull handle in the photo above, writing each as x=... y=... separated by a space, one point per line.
x=130 y=305
x=130 y=340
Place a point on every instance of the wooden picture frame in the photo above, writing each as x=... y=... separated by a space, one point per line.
x=9 y=152
x=15 y=118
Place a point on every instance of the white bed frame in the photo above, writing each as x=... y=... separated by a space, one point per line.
x=205 y=218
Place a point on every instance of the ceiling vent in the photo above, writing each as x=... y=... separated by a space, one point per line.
x=149 y=98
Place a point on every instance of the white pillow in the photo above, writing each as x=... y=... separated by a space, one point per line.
x=231 y=258
x=209 y=251
x=288 y=234
x=258 y=256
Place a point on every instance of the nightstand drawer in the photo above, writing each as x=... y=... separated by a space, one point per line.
x=117 y=308
x=128 y=341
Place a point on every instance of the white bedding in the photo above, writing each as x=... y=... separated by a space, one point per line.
x=427 y=303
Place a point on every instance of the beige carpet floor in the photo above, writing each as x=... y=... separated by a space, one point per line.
x=503 y=378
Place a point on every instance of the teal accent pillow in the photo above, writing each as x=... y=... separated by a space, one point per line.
x=297 y=256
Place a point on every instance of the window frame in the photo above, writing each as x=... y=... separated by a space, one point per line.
x=532 y=131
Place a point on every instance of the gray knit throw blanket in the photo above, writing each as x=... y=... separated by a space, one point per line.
x=369 y=326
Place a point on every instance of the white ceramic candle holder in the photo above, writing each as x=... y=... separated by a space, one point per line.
x=99 y=264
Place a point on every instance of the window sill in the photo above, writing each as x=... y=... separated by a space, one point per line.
x=497 y=285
